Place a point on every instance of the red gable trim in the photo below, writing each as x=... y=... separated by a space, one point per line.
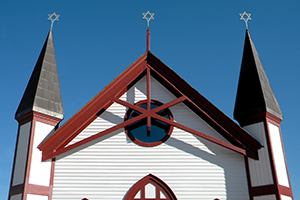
x=241 y=141
x=204 y=108
x=88 y=113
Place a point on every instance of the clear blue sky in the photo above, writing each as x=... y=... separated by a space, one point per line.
x=200 y=40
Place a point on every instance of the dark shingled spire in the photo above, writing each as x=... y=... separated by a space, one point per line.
x=42 y=93
x=254 y=94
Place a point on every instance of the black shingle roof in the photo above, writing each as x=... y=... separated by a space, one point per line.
x=42 y=93
x=254 y=94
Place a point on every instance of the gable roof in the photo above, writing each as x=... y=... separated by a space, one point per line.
x=240 y=140
x=42 y=93
x=254 y=94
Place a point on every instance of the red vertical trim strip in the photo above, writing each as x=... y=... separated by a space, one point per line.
x=148 y=39
x=157 y=189
x=248 y=178
x=28 y=164
x=271 y=158
x=51 y=179
x=143 y=193
x=148 y=99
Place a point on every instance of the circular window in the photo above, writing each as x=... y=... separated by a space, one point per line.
x=138 y=131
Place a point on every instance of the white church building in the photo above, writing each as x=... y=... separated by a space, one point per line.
x=149 y=135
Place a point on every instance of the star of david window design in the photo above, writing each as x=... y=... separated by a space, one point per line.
x=152 y=134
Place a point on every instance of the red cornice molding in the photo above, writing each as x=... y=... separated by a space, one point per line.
x=260 y=118
x=39 y=117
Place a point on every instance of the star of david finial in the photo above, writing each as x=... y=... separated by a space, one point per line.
x=53 y=17
x=245 y=17
x=148 y=16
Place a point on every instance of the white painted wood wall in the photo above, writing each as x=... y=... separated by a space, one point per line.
x=279 y=157
x=39 y=171
x=192 y=167
x=260 y=170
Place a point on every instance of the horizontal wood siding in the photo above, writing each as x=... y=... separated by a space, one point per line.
x=192 y=167
x=260 y=170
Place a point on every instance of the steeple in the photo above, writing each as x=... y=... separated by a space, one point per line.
x=39 y=112
x=42 y=94
x=254 y=94
x=257 y=111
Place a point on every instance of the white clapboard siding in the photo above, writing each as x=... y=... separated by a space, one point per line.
x=260 y=170
x=192 y=167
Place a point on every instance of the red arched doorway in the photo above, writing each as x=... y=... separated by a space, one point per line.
x=150 y=188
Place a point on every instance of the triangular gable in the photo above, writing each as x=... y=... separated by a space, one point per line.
x=149 y=65
x=116 y=113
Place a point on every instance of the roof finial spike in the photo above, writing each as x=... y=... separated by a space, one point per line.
x=148 y=16
x=53 y=17
x=245 y=19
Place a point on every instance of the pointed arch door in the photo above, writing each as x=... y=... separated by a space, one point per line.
x=150 y=188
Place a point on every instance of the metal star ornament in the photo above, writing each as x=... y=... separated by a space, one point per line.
x=246 y=19
x=53 y=17
x=148 y=18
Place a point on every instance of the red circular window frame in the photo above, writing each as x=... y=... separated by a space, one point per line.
x=145 y=144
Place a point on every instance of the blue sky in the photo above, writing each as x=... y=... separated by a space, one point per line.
x=202 y=41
